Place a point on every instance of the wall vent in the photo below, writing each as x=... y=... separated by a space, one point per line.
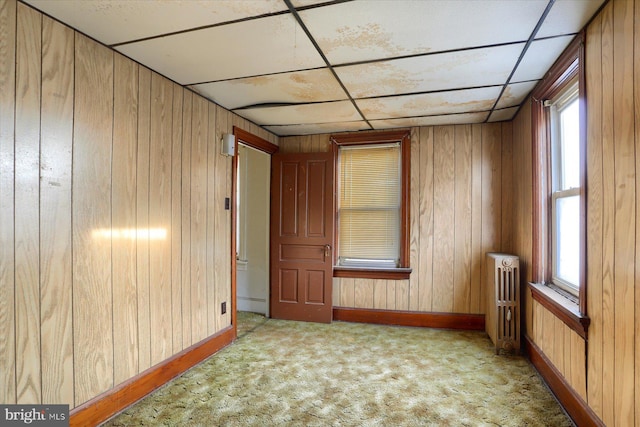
x=503 y=301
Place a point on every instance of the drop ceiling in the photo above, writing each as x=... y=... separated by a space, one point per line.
x=299 y=67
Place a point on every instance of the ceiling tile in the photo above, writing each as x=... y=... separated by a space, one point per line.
x=364 y=30
x=463 y=69
x=317 y=128
x=568 y=17
x=502 y=115
x=117 y=21
x=540 y=57
x=300 y=87
x=325 y=112
x=260 y=46
x=449 y=119
x=459 y=101
x=515 y=93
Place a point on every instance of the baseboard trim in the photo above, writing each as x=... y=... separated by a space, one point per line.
x=106 y=405
x=575 y=405
x=473 y=322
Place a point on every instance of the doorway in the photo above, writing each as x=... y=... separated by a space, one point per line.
x=252 y=229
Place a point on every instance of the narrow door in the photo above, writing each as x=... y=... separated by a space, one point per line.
x=302 y=236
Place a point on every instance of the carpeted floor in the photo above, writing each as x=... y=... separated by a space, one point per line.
x=282 y=373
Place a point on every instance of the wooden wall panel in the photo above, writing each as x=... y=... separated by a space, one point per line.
x=56 y=131
x=462 y=220
x=199 y=141
x=114 y=204
x=92 y=292
x=186 y=220
x=7 y=204
x=477 y=256
x=27 y=204
x=425 y=195
x=608 y=215
x=123 y=217
x=160 y=218
x=444 y=155
x=594 y=219
x=142 y=218
x=213 y=234
x=414 y=255
x=176 y=219
x=625 y=203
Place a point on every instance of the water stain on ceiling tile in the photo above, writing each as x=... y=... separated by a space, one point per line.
x=300 y=87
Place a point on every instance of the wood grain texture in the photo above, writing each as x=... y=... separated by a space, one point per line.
x=7 y=201
x=425 y=195
x=608 y=217
x=142 y=218
x=491 y=192
x=123 y=216
x=199 y=219
x=176 y=218
x=636 y=100
x=92 y=284
x=56 y=130
x=625 y=203
x=222 y=224
x=160 y=218
x=213 y=211
x=462 y=220
x=27 y=205
x=477 y=256
x=594 y=219
x=186 y=219
x=444 y=152
x=414 y=234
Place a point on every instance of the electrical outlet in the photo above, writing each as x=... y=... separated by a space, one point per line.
x=227 y=203
x=223 y=307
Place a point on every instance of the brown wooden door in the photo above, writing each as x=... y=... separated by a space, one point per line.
x=302 y=236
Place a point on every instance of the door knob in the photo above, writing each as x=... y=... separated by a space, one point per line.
x=327 y=250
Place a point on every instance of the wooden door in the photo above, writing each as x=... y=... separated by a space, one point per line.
x=302 y=236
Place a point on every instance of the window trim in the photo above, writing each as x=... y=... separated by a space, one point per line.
x=569 y=66
x=369 y=138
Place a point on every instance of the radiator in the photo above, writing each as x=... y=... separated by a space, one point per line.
x=503 y=301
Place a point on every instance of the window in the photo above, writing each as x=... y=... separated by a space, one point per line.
x=369 y=205
x=565 y=192
x=372 y=204
x=559 y=248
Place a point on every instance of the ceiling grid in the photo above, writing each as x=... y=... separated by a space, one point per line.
x=299 y=67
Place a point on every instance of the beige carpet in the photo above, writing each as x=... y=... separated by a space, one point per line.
x=282 y=373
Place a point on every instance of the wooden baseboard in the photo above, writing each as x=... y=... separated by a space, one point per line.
x=575 y=406
x=106 y=405
x=473 y=322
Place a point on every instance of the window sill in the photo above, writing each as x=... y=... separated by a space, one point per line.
x=561 y=307
x=372 y=273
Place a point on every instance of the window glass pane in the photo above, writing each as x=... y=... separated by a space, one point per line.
x=568 y=239
x=369 y=204
x=570 y=148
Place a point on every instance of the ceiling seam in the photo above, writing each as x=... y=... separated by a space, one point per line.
x=524 y=51
x=297 y=17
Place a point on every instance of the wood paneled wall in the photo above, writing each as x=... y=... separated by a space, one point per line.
x=114 y=240
x=456 y=217
x=609 y=381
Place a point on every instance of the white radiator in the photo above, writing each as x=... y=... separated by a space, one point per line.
x=502 y=319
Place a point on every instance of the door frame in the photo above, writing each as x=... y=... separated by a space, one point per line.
x=253 y=141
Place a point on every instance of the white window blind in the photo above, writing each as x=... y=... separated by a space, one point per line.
x=369 y=205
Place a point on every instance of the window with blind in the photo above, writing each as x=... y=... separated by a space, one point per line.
x=372 y=177
x=369 y=205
